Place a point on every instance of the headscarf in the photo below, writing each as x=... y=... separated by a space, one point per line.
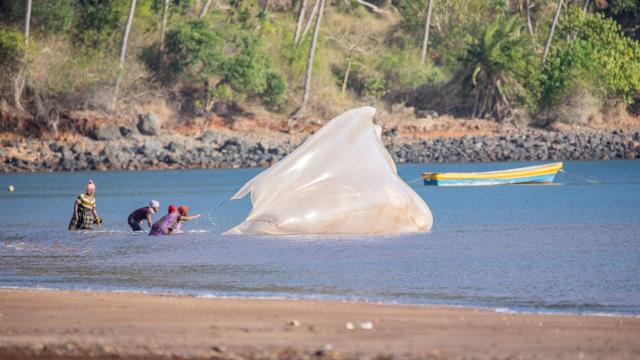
x=91 y=187
x=154 y=205
x=172 y=209
x=183 y=210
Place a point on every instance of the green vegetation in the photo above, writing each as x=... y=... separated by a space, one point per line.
x=599 y=57
x=11 y=48
x=228 y=62
x=498 y=68
x=484 y=57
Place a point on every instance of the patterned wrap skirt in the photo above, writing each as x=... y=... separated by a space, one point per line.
x=83 y=220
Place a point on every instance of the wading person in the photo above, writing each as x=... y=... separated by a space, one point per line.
x=84 y=210
x=136 y=218
x=166 y=223
x=183 y=215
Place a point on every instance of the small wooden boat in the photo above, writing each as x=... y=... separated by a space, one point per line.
x=530 y=174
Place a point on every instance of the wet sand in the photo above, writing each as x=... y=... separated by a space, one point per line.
x=66 y=324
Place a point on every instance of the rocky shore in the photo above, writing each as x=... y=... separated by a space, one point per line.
x=529 y=145
x=145 y=146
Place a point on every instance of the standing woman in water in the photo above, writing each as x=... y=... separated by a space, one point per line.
x=84 y=210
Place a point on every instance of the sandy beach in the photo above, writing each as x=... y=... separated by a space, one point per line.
x=65 y=324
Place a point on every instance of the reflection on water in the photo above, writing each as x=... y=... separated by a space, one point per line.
x=569 y=248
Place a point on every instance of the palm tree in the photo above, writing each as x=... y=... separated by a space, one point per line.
x=205 y=8
x=553 y=27
x=529 y=25
x=425 y=42
x=21 y=78
x=495 y=67
x=163 y=26
x=301 y=12
x=314 y=11
x=585 y=8
x=123 y=51
x=312 y=51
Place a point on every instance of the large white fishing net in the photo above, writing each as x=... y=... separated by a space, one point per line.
x=341 y=180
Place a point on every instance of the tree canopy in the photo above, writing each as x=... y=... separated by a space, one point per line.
x=484 y=56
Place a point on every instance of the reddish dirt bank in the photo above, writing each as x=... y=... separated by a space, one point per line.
x=90 y=141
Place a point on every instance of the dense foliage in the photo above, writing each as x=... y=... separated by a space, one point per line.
x=228 y=61
x=11 y=48
x=498 y=68
x=598 y=55
x=484 y=58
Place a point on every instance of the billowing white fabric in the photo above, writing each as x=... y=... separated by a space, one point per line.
x=341 y=180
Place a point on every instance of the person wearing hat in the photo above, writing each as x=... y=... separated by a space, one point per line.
x=144 y=213
x=166 y=223
x=183 y=215
x=85 y=214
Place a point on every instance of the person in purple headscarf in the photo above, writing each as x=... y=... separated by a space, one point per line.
x=166 y=223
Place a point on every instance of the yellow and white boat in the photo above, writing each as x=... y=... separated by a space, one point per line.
x=530 y=174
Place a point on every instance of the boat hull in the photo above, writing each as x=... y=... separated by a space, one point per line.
x=527 y=175
x=483 y=182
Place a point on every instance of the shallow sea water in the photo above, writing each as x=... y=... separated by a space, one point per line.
x=569 y=247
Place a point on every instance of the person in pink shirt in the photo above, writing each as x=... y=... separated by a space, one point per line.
x=165 y=225
x=183 y=215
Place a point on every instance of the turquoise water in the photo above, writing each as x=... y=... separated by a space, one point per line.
x=571 y=247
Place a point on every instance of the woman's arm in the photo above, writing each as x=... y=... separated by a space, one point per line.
x=188 y=218
x=75 y=210
x=149 y=219
x=95 y=214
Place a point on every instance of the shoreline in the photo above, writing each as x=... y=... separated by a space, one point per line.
x=218 y=149
x=196 y=295
x=79 y=324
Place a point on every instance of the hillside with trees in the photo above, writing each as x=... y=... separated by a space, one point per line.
x=530 y=62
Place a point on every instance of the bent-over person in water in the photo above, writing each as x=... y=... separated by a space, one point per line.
x=85 y=214
x=136 y=218
x=183 y=215
x=164 y=225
